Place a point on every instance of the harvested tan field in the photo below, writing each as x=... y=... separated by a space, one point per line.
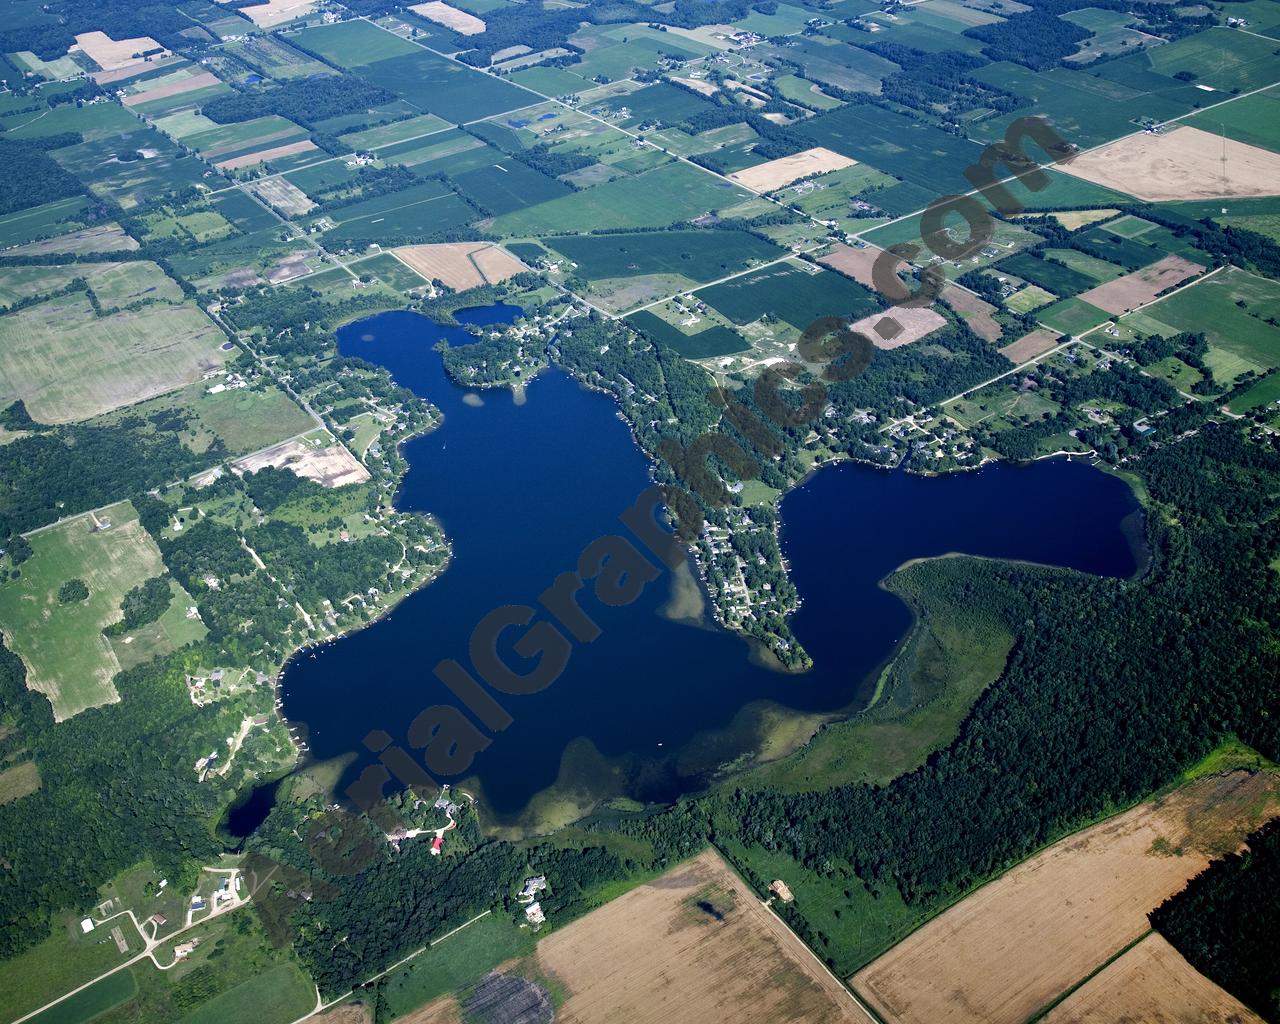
x=108 y=237
x=283 y=195
x=444 y=1010
x=131 y=70
x=262 y=156
x=975 y=311
x=450 y=17
x=773 y=174
x=1003 y=953
x=915 y=322
x=699 y=85
x=275 y=12
x=460 y=265
x=853 y=262
x=1074 y=219
x=1151 y=984
x=329 y=466
x=1185 y=163
x=691 y=947
x=1030 y=345
x=111 y=55
x=1133 y=290
x=198 y=81
x=350 y=1013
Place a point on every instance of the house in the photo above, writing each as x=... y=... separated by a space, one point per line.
x=197 y=903
x=159 y=920
x=782 y=889
x=86 y=925
x=533 y=912
x=533 y=886
x=436 y=844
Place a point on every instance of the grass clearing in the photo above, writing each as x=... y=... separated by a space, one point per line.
x=67 y=657
x=19 y=781
x=1073 y=316
x=69 y=364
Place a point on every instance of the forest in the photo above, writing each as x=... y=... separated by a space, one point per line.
x=1226 y=920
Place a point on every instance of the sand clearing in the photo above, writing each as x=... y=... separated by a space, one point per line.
x=1151 y=984
x=283 y=195
x=655 y=956
x=1185 y=163
x=698 y=85
x=329 y=466
x=450 y=17
x=773 y=174
x=1140 y=287
x=1005 y=952
x=263 y=155
x=915 y=322
x=275 y=12
x=1030 y=345
x=111 y=55
x=460 y=265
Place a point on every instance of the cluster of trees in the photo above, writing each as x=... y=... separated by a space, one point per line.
x=1226 y=920
x=29 y=176
x=71 y=469
x=117 y=788
x=1038 y=38
x=934 y=83
x=303 y=101
x=142 y=605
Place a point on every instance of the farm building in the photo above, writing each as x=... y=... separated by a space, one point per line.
x=782 y=889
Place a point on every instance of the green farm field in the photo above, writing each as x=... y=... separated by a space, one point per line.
x=63 y=961
x=458 y=961
x=669 y=194
x=68 y=364
x=397 y=131
x=67 y=657
x=792 y=293
x=1264 y=393
x=1240 y=333
x=696 y=255
x=1072 y=316
x=1254 y=120
x=99 y=997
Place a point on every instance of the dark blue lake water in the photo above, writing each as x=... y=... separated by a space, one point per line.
x=654 y=705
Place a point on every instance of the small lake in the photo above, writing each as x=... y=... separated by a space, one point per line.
x=655 y=704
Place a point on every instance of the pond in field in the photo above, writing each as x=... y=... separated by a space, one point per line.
x=655 y=704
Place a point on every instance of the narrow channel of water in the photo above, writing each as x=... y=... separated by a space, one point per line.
x=522 y=489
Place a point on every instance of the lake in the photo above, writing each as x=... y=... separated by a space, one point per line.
x=655 y=705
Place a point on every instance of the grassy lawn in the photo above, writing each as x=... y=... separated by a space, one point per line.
x=67 y=657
